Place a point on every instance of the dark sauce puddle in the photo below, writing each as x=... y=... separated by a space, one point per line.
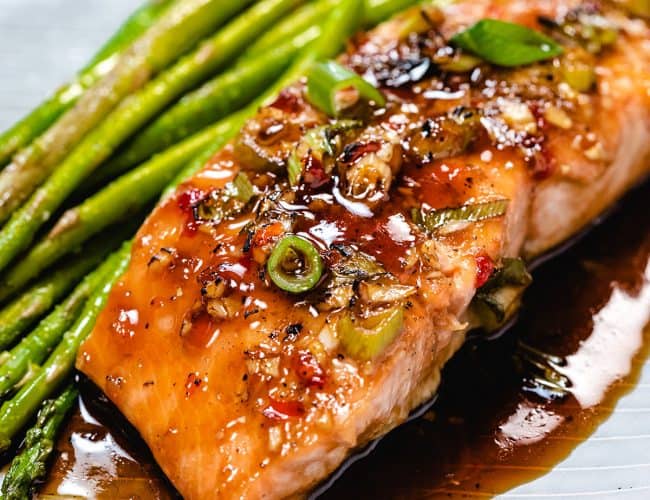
x=496 y=424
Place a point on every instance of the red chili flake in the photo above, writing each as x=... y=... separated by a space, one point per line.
x=283 y=410
x=186 y=202
x=267 y=234
x=192 y=384
x=187 y=199
x=315 y=175
x=309 y=370
x=287 y=102
x=484 y=269
x=356 y=150
x=544 y=163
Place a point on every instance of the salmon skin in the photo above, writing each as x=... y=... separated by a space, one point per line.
x=410 y=221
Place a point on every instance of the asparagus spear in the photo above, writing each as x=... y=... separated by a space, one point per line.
x=33 y=349
x=212 y=101
x=23 y=132
x=377 y=11
x=30 y=464
x=178 y=29
x=306 y=17
x=18 y=315
x=16 y=412
x=128 y=194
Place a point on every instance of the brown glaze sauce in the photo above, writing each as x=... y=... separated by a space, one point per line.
x=491 y=428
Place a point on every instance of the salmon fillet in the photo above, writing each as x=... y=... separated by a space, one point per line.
x=243 y=390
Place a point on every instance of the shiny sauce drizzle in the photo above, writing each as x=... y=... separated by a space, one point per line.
x=494 y=425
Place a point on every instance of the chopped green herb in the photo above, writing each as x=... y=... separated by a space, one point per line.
x=506 y=44
x=327 y=83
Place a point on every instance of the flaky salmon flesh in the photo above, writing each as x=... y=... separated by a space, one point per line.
x=409 y=227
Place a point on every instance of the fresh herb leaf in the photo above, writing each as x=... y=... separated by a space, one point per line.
x=506 y=44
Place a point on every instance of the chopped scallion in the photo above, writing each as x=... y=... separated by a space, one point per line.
x=434 y=219
x=365 y=338
x=328 y=83
x=295 y=265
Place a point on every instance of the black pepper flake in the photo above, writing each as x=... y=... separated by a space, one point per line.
x=294 y=329
x=250 y=313
x=249 y=240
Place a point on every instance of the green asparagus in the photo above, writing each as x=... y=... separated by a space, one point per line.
x=180 y=28
x=211 y=102
x=308 y=16
x=128 y=194
x=343 y=21
x=33 y=349
x=311 y=15
x=23 y=132
x=16 y=412
x=18 y=315
x=31 y=464
x=132 y=113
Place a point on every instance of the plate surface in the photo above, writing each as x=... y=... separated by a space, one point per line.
x=43 y=42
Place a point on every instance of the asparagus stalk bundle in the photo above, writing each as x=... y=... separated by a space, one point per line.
x=34 y=348
x=261 y=63
x=131 y=114
x=180 y=28
x=307 y=17
x=16 y=412
x=212 y=101
x=27 y=308
x=23 y=132
x=31 y=463
x=128 y=194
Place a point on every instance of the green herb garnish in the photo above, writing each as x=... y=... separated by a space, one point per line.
x=506 y=44
x=295 y=265
x=327 y=81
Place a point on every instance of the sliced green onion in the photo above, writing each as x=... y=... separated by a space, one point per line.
x=326 y=82
x=242 y=188
x=367 y=338
x=317 y=142
x=295 y=265
x=476 y=212
x=506 y=44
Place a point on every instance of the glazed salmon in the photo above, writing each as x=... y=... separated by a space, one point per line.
x=265 y=329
